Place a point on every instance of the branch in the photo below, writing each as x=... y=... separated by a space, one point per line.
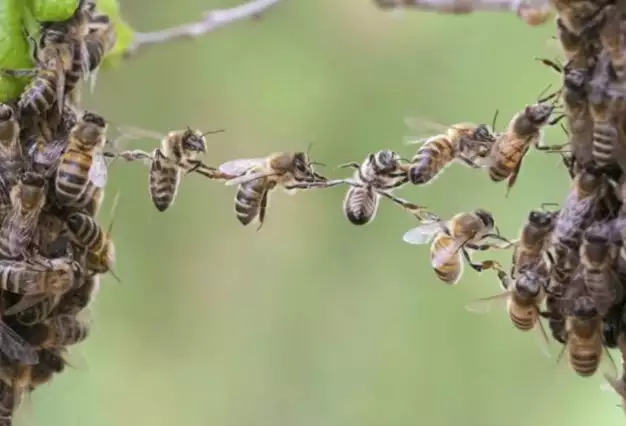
x=532 y=14
x=213 y=19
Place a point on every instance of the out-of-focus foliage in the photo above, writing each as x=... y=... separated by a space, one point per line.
x=16 y=16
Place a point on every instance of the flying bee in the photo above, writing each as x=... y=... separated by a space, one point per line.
x=87 y=233
x=576 y=215
x=79 y=177
x=464 y=231
x=524 y=130
x=257 y=177
x=58 y=331
x=377 y=176
x=523 y=295
x=18 y=228
x=597 y=255
x=179 y=153
x=466 y=143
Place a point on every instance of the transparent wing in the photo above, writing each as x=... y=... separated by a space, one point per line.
x=248 y=177
x=422 y=234
x=93 y=76
x=240 y=166
x=445 y=254
x=25 y=303
x=133 y=132
x=15 y=347
x=424 y=125
x=98 y=172
x=485 y=304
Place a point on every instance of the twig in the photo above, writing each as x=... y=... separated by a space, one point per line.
x=533 y=14
x=213 y=19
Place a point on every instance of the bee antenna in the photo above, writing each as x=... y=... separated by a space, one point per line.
x=317 y=163
x=544 y=205
x=308 y=148
x=112 y=212
x=210 y=132
x=114 y=275
x=493 y=121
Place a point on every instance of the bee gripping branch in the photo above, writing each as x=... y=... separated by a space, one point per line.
x=534 y=12
x=213 y=19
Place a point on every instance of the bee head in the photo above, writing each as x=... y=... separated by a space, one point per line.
x=529 y=282
x=588 y=180
x=6 y=112
x=575 y=79
x=385 y=161
x=541 y=219
x=193 y=141
x=539 y=114
x=486 y=218
x=93 y=118
x=32 y=179
x=483 y=133
x=584 y=307
x=53 y=32
x=73 y=222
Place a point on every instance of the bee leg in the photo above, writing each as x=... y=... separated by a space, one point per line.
x=352 y=164
x=504 y=279
x=468 y=162
x=317 y=185
x=416 y=209
x=262 y=210
x=17 y=73
x=480 y=267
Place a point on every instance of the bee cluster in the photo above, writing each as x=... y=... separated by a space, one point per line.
x=52 y=249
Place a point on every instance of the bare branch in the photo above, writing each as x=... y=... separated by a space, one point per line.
x=531 y=13
x=213 y=19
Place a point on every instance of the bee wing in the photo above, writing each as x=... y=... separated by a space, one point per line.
x=422 y=234
x=240 y=166
x=15 y=347
x=444 y=255
x=133 y=132
x=25 y=303
x=98 y=172
x=484 y=304
x=543 y=339
x=248 y=177
x=60 y=85
x=425 y=125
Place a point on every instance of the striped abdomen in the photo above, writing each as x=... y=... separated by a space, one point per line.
x=523 y=315
x=38 y=312
x=605 y=137
x=506 y=154
x=64 y=330
x=449 y=271
x=40 y=94
x=360 y=205
x=86 y=231
x=12 y=163
x=248 y=200
x=23 y=278
x=74 y=74
x=72 y=178
x=584 y=355
x=430 y=160
x=164 y=180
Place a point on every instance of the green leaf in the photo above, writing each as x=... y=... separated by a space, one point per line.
x=14 y=48
x=125 y=33
x=53 y=10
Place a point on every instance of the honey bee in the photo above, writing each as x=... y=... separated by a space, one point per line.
x=178 y=154
x=59 y=51
x=58 y=331
x=610 y=33
x=19 y=226
x=379 y=175
x=8 y=402
x=78 y=298
x=39 y=311
x=257 y=177
x=576 y=215
x=579 y=52
x=87 y=233
x=597 y=255
x=524 y=130
x=466 y=143
x=54 y=276
x=464 y=231
x=10 y=148
x=100 y=40
x=523 y=295
x=579 y=17
x=535 y=238
x=585 y=344
x=81 y=173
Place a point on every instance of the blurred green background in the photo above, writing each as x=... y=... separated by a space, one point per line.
x=313 y=321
